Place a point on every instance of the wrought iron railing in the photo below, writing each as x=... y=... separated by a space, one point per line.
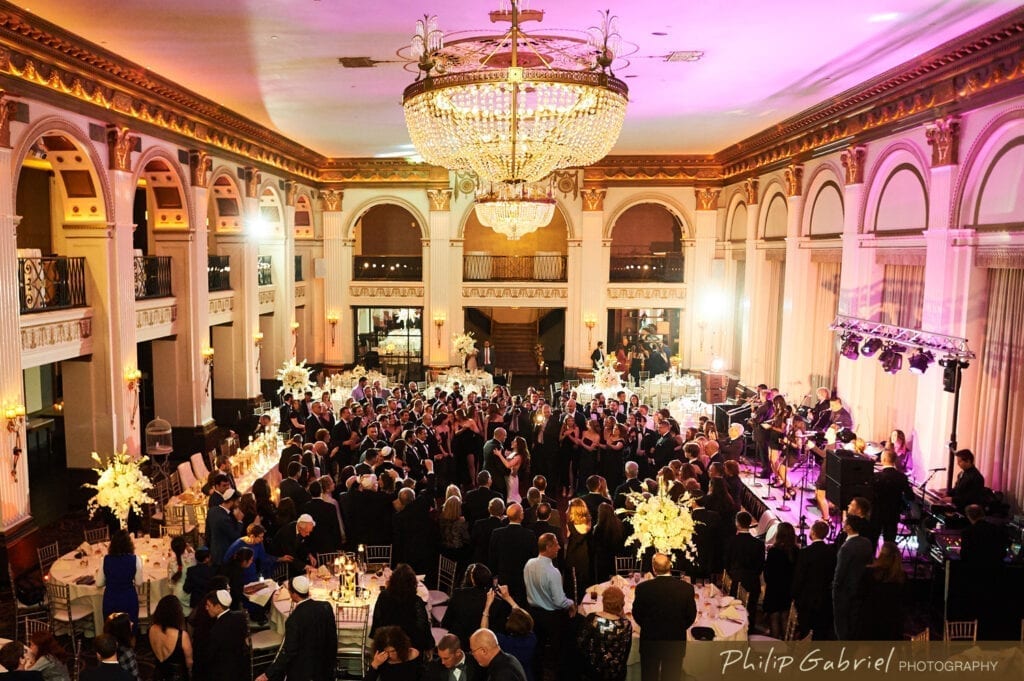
x=152 y=276
x=51 y=283
x=514 y=268
x=388 y=268
x=264 y=275
x=218 y=268
x=298 y=268
x=659 y=268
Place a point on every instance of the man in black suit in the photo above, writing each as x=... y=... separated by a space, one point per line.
x=744 y=561
x=970 y=484
x=108 y=669
x=480 y=533
x=982 y=552
x=343 y=439
x=500 y=665
x=890 y=488
x=450 y=659
x=197 y=578
x=853 y=558
x=316 y=422
x=487 y=360
x=593 y=498
x=632 y=485
x=510 y=548
x=366 y=512
x=414 y=535
x=665 y=446
x=326 y=535
x=597 y=357
x=494 y=461
x=310 y=639
x=475 y=502
x=291 y=488
x=293 y=540
x=708 y=538
x=222 y=526
x=812 y=584
x=290 y=453
x=226 y=652
x=572 y=412
x=664 y=609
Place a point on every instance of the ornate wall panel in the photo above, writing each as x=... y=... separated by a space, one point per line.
x=48 y=337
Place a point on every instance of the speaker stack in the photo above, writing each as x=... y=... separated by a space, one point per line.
x=847 y=476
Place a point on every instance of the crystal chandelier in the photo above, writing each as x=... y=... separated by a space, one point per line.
x=515 y=209
x=514 y=107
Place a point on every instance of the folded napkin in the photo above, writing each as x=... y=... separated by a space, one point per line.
x=85 y=546
x=86 y=579
x=726 y=601
x=731 y=613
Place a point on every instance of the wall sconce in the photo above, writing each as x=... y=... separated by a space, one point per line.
x=257 y=339
x=15 y=415
x=131 y=381
x=590 y=321
x=295 y=338
x=208 y=362
x=333 y=319
x=439 y=320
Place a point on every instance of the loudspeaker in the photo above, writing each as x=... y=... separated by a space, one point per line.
x=847 y=476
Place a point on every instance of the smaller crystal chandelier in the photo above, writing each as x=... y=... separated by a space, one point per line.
x=515 y=209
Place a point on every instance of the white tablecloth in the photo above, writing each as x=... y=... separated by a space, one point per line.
x=155 y=553
x=709 y=614
x=585 y=392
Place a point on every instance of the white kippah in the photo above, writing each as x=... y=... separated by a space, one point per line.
x=224 y=597
x=300 y=584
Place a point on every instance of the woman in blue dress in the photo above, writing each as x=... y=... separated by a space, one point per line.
x=121 y=571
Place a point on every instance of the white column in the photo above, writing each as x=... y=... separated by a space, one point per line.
x=795 y=363
x=703 y=314
x=338 y=258
x=236 y=376
x=438 y=296
x=592 y=281
x=457 y=322
x=755 y=303
x=14 y=504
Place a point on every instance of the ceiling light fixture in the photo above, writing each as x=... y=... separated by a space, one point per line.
x=514 y=107
x=515 y=209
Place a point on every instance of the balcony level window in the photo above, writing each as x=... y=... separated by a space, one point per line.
x=388 y=246
x=647 y=246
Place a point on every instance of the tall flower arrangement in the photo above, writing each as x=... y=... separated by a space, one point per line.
x=294 y=377
x=122 y=487
x=606 y=377
x=662 y=524
x=464 y=344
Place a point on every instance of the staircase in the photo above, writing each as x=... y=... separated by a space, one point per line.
x=514 y=345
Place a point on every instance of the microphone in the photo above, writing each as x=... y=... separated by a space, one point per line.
x=936 y=470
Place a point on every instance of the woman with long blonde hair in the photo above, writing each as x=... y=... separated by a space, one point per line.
x=579 y=573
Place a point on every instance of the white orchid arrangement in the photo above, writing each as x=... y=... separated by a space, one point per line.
x=464 y=344
x=358 y=370
x=662 y=524
x=121 y=487
x=606 y=377
x=294 y=377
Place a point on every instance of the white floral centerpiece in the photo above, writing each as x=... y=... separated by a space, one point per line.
x=606 y=377
x=294 y=377
x=662 y=524
x=464 y=344
x=121 y=487
x=358 y=370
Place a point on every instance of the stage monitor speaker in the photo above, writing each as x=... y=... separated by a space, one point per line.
x=727 y=414
x=847 y=476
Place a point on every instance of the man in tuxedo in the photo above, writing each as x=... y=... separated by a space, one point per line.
x=593 y=498
x=108 y=669
x=451 y=664
x=291 y=488
x=326 y=535
x=493 y=461
x=735 y=447
x=226 y=651
x=223 y=526
x=290 y=453
x=293 y=540
x=571 y=412
x=414 y=534
x=631 y=485
x=367 y=512
x=476 y=502
x=487 y=357
x=480 y=532
x=373 y=439
x=597 y=357
x=488 y=654
x=316 y=421
x=970 y=484
x=853 y=558
x=510 y=549
x=664 y=609
x=665 y=446
x=708 y=538
x=744 y=561
x=812 y=584
x=760 y=418
x=310 y=639
x=890 y=488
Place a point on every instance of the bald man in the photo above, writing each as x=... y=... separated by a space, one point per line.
x=663 y=608
x=494 y=461
x=500 y=666
x=509 y=550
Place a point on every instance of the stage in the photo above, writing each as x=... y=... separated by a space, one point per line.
x=767 y=507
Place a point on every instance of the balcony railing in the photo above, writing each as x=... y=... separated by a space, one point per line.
x=218 y=268
x=298 y=268
x=264 y=276
x=388 y=268
x=514 y=268
x=658 y=268
x=152 y=276
x=51 y=283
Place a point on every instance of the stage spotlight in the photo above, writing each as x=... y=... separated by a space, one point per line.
x=871 y=346
x=892 y=358
x=920 y=361
x=851 y=346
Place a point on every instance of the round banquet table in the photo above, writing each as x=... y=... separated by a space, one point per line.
x=154 y=552
x=722 y=613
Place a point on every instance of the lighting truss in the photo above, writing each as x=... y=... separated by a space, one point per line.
x=949 y=347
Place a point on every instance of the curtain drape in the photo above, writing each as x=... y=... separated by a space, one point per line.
x=896 y=394
x=998 y=448
x=824 y=307
x=775 y=271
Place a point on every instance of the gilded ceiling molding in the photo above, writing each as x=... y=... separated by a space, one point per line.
x=567 y=182
x=331 y=199
x=794 y=178
x=593 y=198
x=853 y=163
x=466 y=183
x=943 y=137
x=659 y=170
x=750 y=186
x=120 y=142
x=253 y=179
x=199 y=164
x=378 y=172
x=707 y=198
x=440 y=199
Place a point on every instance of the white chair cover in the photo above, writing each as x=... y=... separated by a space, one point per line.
x=199 y=466
x=188 y=480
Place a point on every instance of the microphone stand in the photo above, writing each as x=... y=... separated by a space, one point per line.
x=802 y=526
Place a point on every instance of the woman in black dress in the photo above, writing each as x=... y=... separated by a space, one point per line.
x=400 y=605
x=882 y=596
x=567 y=457
x=394 y=657
x=466 y=605
x=609 y=538
x=465 y=444
x=778 y=579
x=579 y=554
x=588 y=453
x=169 y=641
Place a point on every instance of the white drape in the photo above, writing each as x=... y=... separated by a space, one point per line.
x=775 y=276
x=824 y=304
x=896 y=394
